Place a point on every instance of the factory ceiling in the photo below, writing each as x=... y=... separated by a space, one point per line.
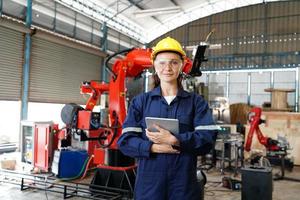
x=152 y=18
x=143 y=20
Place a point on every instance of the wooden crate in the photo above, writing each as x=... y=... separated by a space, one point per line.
x=282 y=119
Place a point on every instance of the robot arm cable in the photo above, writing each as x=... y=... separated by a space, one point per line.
x=110 y=57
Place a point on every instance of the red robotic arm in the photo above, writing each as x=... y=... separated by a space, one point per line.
x=87 y=124
x=255 y=120
x=134 y=63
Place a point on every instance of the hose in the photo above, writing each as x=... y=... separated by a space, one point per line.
x=115 y=132
x=86 y=168
x=110 y=57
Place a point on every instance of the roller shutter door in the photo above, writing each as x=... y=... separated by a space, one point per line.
x=57 y=71
x=11 y=43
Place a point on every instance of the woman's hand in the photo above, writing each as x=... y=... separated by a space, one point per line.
x=163 y=136
x=163 y=148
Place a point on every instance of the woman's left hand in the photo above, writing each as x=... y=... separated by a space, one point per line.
x=163 y=136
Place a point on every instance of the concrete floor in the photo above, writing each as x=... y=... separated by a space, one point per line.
x=213 y=190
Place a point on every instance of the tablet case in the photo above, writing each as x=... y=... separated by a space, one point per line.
x=171 y=125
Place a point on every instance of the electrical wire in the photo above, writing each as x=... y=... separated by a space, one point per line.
x=86 y=168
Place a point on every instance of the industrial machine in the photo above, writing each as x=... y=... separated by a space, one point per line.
x=38 y=143
x=277 y=150
x=114 y=169
x=271 y=145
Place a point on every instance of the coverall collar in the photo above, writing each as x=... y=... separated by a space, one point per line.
x=157 y=92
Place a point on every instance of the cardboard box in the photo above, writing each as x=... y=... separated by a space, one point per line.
x=8 y=164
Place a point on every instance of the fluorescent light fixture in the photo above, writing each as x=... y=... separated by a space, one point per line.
x=157 y=11
x=210 y=46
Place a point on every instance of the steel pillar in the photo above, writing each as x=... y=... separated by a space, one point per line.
x=92 y=33
x=227 y=84
x=54 y=19
x=26 y=66
x=103 y=45
x=1 y=6
x=297 y=90
x=249 y=89
x=75 y=25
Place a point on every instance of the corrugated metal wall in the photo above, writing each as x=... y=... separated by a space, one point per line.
x=61 y=19
x=57 y=71
x=252 y=37
x=258 y=29
x=11 y=44
x=67 y=24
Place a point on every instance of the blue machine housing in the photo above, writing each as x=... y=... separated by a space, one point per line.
x=71 y=163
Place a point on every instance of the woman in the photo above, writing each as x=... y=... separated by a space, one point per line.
x=167 y=162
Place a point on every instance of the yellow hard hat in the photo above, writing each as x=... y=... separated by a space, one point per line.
x=167 y=44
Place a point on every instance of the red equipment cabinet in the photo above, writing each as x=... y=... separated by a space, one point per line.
x=43 y=150
x=38 y=143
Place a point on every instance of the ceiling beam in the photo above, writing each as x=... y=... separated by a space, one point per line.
x=142 y=8
x=174 y=2
x=157 y=11
x=128 y=6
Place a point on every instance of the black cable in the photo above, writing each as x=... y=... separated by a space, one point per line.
x=110 y=57
x=115 y=132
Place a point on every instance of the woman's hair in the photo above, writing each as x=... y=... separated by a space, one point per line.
x=180 y=77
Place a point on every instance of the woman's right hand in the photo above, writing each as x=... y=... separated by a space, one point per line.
x=163 y=148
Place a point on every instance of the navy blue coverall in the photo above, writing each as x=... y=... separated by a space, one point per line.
x=168 y=176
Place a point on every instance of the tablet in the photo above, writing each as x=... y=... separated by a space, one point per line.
x=171 y=125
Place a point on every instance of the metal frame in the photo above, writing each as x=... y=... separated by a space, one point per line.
x=68 y=189
x=249 y=71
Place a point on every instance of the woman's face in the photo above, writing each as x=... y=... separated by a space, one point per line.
x=168 y=65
